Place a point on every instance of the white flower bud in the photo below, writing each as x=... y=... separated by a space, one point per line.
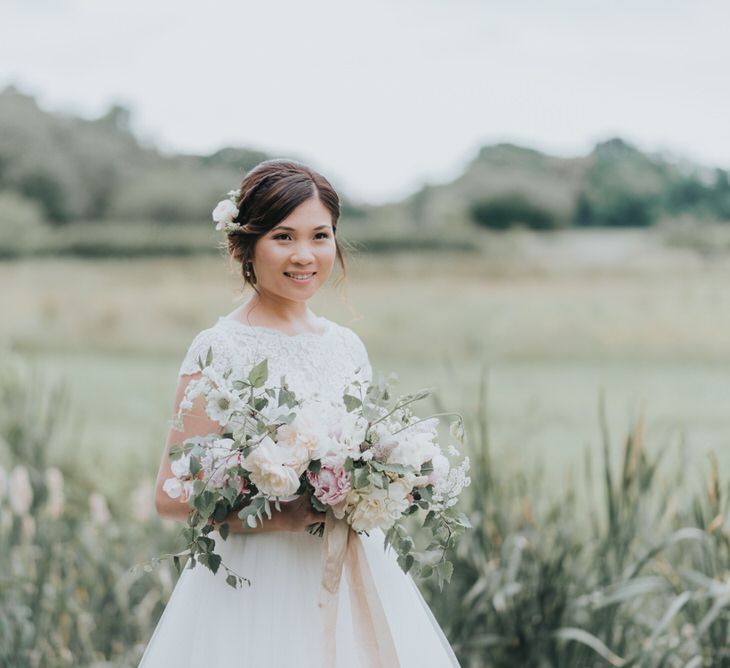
x=54 y=480
x=20 y=490
x=99 y=509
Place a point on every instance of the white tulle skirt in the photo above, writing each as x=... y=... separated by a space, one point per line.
x=276 y=621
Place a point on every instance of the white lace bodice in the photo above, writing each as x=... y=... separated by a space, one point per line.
x=315 y=365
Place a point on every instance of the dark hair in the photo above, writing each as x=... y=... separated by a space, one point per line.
x=269 y=193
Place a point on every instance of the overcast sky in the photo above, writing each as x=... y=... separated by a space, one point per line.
x=384 y=95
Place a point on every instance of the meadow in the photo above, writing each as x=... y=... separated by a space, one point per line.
x=551 y=341
x=595 y=393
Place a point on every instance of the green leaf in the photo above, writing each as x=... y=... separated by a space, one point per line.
x=581 y=636
x=361 y=477
x=351 y=402
x=178 y=565
x=286 y=398
x=214 y=561
x=223 y=530
x=258 y=375
x=232 y=581
x=445 y=570
x=463 y=521
x=209 y=356
x=406 y=562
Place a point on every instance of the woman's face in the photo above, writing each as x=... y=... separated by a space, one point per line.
x=302 y=244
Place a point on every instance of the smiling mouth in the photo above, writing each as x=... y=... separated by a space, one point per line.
x=300 y=277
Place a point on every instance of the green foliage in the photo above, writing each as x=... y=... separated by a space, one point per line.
x=639 y=578
x=112 y=195
x=68 y=594
x=509 y=210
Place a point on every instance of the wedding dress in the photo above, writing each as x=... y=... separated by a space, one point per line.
x=276 y=621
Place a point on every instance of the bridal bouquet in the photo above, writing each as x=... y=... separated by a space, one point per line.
x=369 y=460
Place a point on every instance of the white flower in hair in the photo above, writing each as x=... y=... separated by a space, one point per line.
x=224 y=213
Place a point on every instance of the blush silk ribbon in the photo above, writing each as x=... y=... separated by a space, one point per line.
x=343 y=549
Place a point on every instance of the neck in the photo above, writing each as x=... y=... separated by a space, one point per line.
x=272 y=308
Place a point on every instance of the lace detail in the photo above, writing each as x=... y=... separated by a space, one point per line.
x=224 y=354
x=314 y=365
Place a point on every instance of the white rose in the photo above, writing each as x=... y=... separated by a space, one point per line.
x=172 y=487
x=347 y=432
x=441 y=468
x=371 y=511
x=413 y=451
x=304 y=438
x=217 y=458
x=181 y=467
x=380 y=507
x=398 y=492
x=224 y=213
x=268 y=471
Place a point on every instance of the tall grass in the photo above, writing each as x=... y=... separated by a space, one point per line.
x=67 y=594
x=636 y=575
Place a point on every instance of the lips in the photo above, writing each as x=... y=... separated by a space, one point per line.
x=300 y=277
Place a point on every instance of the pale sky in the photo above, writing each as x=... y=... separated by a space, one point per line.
x=384 y=95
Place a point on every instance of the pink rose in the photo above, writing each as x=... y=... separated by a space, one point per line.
x=331 y=484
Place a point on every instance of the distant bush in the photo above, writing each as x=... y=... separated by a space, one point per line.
x=22 y=224
x=504 y=211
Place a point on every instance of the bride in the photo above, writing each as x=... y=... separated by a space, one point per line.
x=280 y=227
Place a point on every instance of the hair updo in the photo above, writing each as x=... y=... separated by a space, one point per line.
x=269 y=193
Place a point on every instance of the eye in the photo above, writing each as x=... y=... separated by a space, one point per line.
x=325 y=235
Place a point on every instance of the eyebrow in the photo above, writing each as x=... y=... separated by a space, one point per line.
x=291 y=229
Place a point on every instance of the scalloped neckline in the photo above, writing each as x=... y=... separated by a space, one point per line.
x=239 y=323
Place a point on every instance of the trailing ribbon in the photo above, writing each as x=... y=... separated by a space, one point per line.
x=343 y=547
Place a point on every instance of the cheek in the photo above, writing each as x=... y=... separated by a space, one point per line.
x=329 y=253
x=268 y=255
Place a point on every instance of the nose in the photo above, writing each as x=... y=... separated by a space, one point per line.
x=302 y=255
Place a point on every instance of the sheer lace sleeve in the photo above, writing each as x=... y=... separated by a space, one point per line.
x=360 y=357
x=208 y=338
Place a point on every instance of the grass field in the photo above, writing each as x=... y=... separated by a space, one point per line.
x=550 y=342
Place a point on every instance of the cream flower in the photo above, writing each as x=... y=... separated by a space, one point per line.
x=219 y=457
x=440 y=471
x=181 y=467
x=269 y=469
x=380 y=508
x=416 y=444
x=348 y=431
x=224 y=213
x=172 y=487
x=305 y=438
x=222 y=404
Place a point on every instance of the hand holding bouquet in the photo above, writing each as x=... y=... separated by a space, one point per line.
x=369 y=460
